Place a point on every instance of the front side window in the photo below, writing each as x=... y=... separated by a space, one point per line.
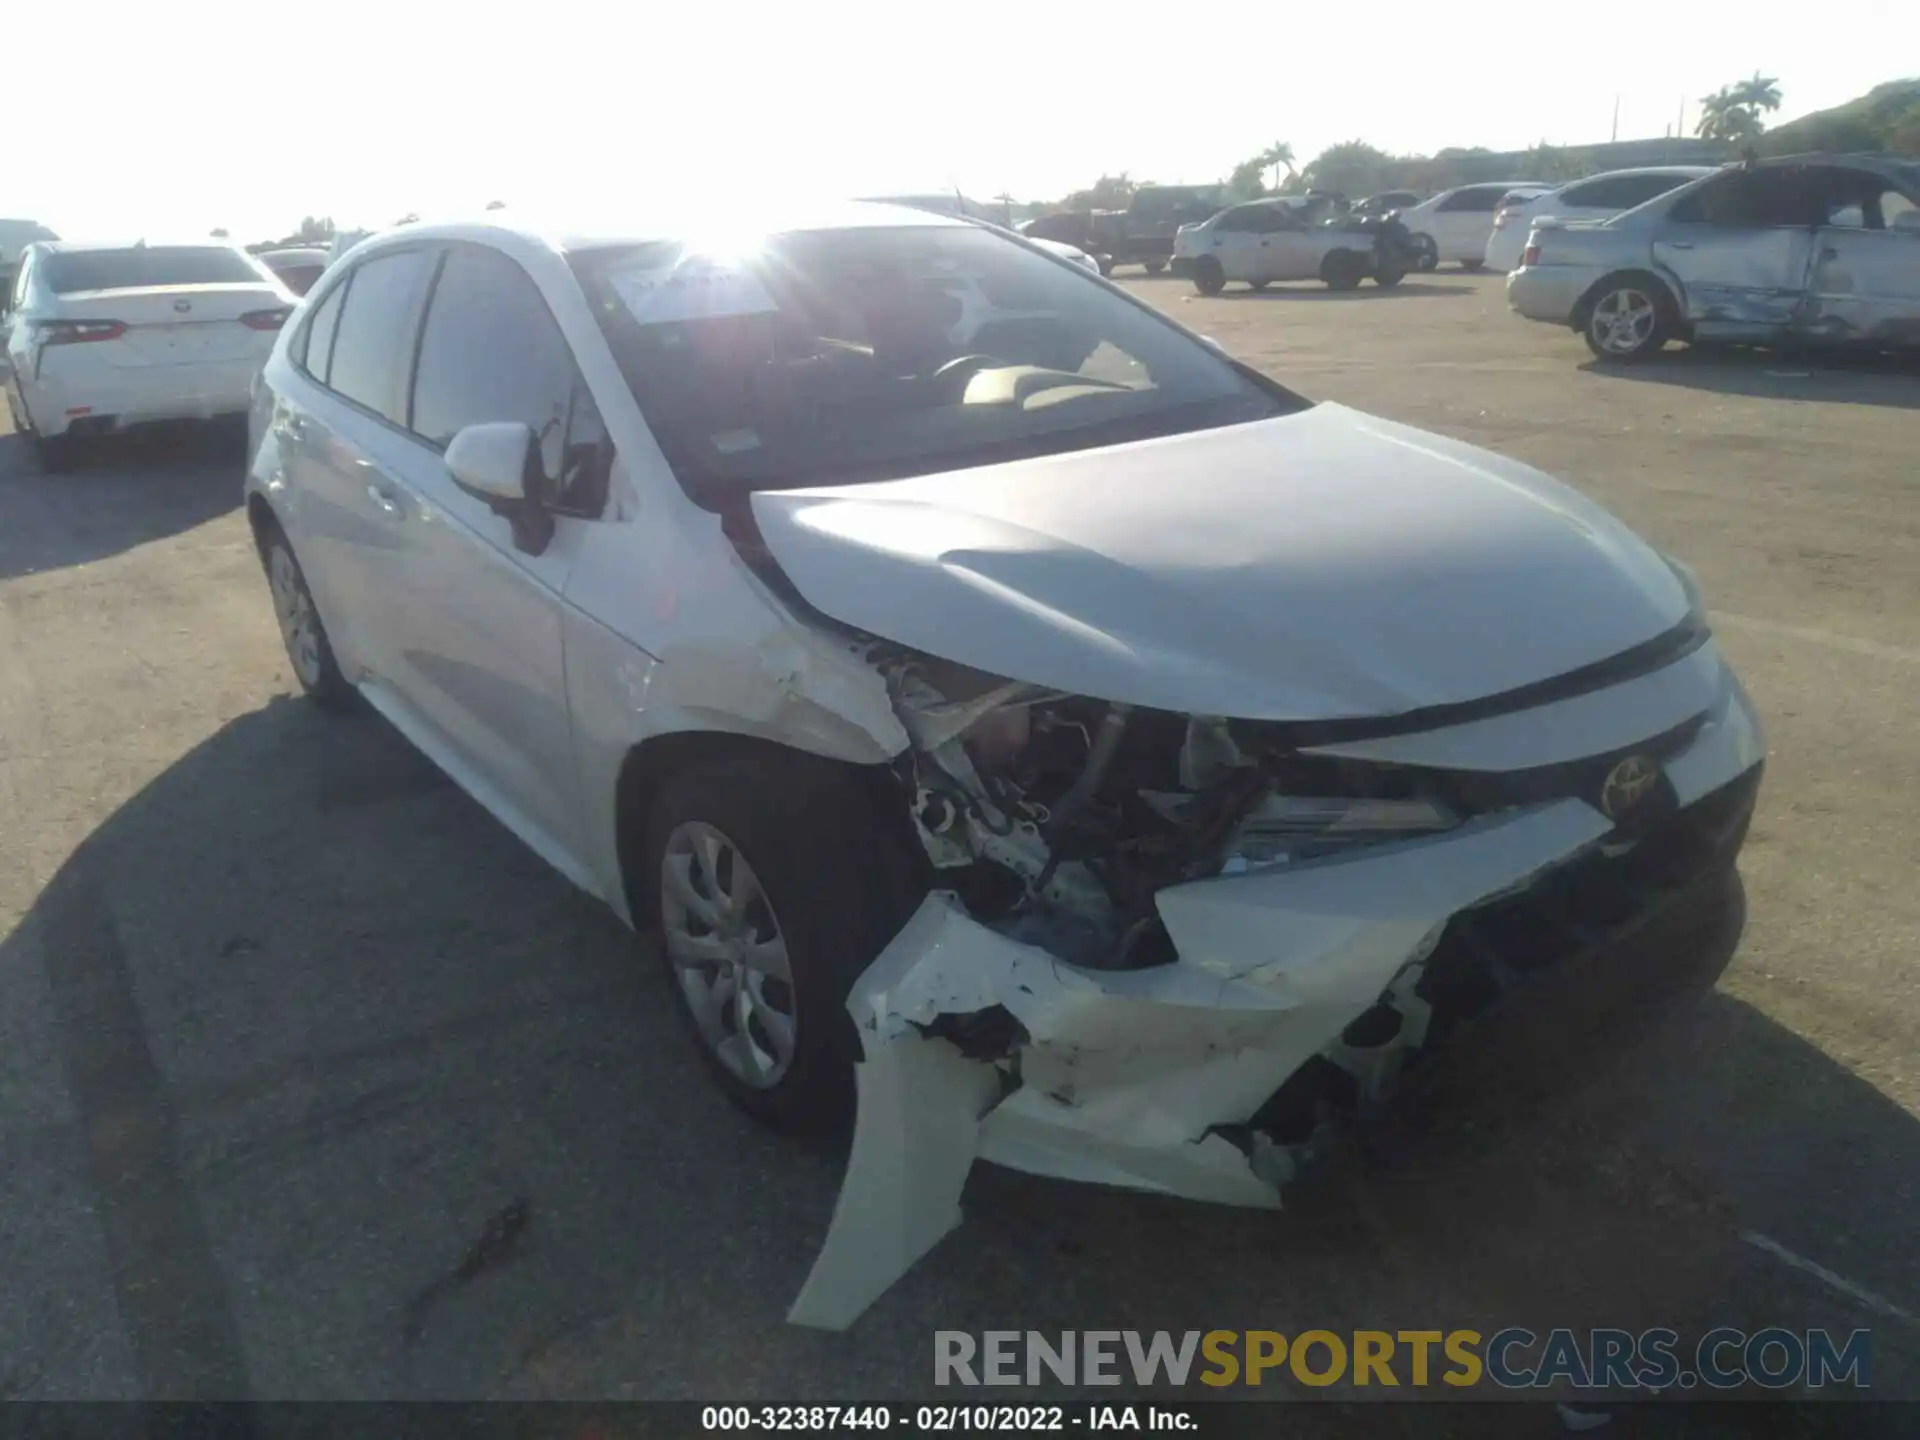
x=71 y=272
x=373 y=339
x=1751 y=199
x=491 y=351
x=847 y=355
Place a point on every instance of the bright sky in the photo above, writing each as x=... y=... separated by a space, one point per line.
x=171 y=118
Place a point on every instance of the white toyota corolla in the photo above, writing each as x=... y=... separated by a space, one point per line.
x=1004 y=707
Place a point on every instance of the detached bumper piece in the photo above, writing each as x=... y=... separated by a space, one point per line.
x=1300 y=997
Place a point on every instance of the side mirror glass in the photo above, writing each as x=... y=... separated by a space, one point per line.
x=499 y=463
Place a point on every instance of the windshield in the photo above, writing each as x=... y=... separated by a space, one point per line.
x=865 y=354
x=71 y=271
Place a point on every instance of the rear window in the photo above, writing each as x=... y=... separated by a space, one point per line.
x=68 y=272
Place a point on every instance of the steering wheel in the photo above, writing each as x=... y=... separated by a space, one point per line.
x=964 y=367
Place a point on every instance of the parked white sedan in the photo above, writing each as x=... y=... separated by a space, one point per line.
x=1598 y=197
x=101 y=337
x=1454 y=225
x=1264 y=241
x=996 y=699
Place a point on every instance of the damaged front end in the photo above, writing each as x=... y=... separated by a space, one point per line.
x=1180 y=953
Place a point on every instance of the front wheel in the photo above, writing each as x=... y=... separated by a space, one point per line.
x=1343 y=270
x=1153 y=267
x=1471 y=265
x=1426 y=253
x=773 y=891
x=1258 y=284
x=1628 y=320
x=1208 y=277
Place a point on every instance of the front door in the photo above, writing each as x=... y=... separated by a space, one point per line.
x=479 y=640
x=1741 y=248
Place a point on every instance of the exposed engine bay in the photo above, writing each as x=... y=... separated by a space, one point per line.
x=1057 y=819
x=1184 y=954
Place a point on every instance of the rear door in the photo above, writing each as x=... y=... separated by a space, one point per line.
x=343 y=446
x=1234 y=240
x=1463 y=221
x=1866 y=267
x=1741 y=246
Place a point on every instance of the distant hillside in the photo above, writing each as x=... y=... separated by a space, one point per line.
x=1886 y=118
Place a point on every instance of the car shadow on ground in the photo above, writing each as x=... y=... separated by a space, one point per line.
x=122 y=491
x=1832 y=377
x=362 y=1101
x=1314 y=290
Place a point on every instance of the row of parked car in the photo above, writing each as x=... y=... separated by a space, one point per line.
x=1807 y=248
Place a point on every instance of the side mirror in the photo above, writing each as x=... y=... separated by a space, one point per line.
x=499 y=463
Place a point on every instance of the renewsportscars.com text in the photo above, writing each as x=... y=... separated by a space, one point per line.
x=1510 y=1359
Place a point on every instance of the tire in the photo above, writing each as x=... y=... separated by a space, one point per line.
x=1258 y=284
x=1426 y=253
x=1627 y=318
x=1472 y=265
x=1153 y=267
x=1208 y=277
x=793 y=839
x=1388 y=276
x=302 y=634
x=1106 y=265
x=1343 y=270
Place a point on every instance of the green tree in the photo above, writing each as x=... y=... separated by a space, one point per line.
x=1109 y=192
x=1760 y=92
x=1352 y=167
x=1732 y=113
x=315 y=229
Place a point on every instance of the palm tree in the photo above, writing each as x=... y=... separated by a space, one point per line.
x=1724 y=117
x=1762 y=92
x=1276 y=155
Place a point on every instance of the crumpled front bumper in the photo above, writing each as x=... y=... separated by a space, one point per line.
x=978 y=1046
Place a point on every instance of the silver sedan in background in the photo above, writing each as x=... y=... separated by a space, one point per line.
x=1806 y=247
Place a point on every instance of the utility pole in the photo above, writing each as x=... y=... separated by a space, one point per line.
x=1616 y=115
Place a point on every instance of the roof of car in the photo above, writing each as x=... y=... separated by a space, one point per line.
x=62 y=247
x=308 y=253
x=573 y=231
x=1892 y=166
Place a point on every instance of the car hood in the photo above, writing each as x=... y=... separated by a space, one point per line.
x=1323 y=565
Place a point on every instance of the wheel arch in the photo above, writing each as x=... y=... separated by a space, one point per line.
x=650 y=762
x=1583 y=307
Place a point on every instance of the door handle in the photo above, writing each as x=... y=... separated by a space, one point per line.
x=1680 y=244
x=384 y=500
x=1827 y=252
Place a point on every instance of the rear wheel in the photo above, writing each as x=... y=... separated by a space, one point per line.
x=1208 y=277
x=1629 y=319
x=1258 y=284
x=773 y=892
x=1473 y=264
x=305 y=638
x=1153 y=267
